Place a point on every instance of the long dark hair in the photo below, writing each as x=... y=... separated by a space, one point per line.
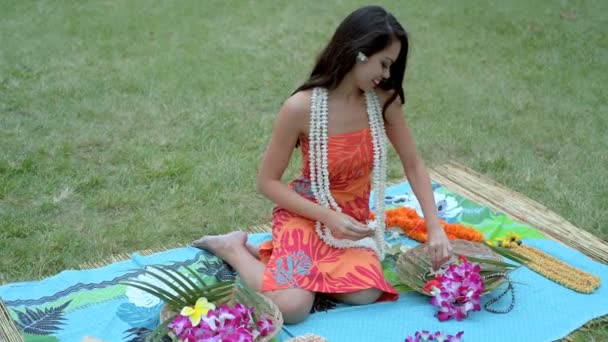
x=368 y=30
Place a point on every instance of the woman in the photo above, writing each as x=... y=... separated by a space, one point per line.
x=340 y=118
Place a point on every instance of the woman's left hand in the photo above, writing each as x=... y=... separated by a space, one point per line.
x=439 y=247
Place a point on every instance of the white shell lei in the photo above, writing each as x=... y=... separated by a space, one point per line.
x=319 y=172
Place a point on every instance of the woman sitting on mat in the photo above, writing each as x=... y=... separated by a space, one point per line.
x=340 y=118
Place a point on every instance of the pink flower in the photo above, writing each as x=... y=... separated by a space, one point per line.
x=265 y=326
x=216 y=338
x=423 y=335
x=180 y=323
x=446 y=312
x=440 y=336
x=459 y=291
x=457 y=338
x=223 y=323
x=243 y=311
x=236 y=334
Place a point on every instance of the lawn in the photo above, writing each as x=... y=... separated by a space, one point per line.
x=128 y=125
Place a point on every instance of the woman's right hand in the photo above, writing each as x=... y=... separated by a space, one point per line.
x=343 y=226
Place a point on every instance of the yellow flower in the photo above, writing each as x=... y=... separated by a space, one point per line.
x=200 y=309
x=506 y=242
x=513 y=237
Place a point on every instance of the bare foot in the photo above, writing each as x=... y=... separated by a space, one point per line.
x=254 y=250
x=222 y=245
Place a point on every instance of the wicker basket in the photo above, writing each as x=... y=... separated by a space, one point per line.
x=264 y=307
x=414 y=266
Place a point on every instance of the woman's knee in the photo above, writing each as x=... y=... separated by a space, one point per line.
x=294 y=304
x=362 y=297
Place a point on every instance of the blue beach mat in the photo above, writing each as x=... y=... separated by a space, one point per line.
x=74 y=304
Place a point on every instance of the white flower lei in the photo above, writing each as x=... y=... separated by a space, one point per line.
x=319 y=172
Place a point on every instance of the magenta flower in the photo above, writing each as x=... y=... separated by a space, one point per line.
x=223 y=324
x=243 y=310
x=238 y=334
x=424 y=336
x=216 y=338
x=265 y=326
x=180 y=323
x=440 y=336
x=457 y=338
x=243 y=314
x=460 y=289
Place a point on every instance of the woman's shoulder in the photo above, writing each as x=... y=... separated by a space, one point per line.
x=299 y=102
x=394 y=109
x=295 y=112
x=385 y=95
x=296 y=108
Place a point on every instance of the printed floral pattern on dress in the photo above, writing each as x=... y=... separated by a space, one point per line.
x=298 y=258
x=291 y=267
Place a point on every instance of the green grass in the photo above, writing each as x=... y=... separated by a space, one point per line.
x=127 y=125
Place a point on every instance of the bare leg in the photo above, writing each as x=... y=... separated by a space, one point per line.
x=254 y=250
x=295 y=304
x=362 y=297
x=232 y=249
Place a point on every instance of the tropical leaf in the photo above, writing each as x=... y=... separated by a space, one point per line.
x=41 y=322
x=401 y=287
x=158 y=292
x=186 y=278
x=139 y=316
x=250 y=296
x=509 y=254
x=197 y=277
x=389 y=269
x=39 y=338
x=183 y=290
x=499 y=265
x=217 y=268
x=184 y=294
x=162 y=331
x=180 y=287
x=414 y=272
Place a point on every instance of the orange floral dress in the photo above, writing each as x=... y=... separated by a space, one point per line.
x=297 y=258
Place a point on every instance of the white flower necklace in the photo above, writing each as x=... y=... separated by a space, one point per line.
x=319 y=172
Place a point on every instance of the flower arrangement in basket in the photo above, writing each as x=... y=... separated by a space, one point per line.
x=475 y=270
x=196 y=310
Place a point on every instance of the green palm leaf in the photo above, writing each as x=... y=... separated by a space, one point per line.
x=182 y=290
x=186 y=292
x=179 y=290
x=509 y=254
x=248 y=295
x=182 y=280
x=156 y=291
x=186 y=278
x=500 y=265
x=196 y=276
x=161 y=330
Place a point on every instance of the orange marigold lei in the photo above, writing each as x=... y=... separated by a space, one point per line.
x=414 y=226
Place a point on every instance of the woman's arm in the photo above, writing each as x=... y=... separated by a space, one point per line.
x=291 y=123
x=401 y=138
x=287 y=129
